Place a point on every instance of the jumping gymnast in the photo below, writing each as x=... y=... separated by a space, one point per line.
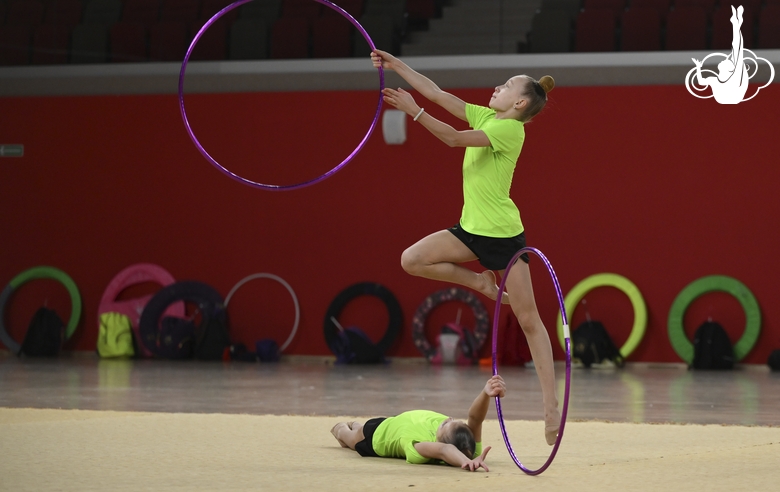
x=422 y=436
x=489 y=229
x=731 y=84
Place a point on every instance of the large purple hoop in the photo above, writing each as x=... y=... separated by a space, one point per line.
x=255 y=184
x=567 y=337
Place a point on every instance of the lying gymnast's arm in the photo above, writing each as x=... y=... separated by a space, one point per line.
x=451 y=455
x=495 y=387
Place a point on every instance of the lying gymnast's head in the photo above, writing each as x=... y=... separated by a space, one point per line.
x=458 y=434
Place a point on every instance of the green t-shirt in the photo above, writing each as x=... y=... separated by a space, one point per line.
x=396 y=436
x=487 y=176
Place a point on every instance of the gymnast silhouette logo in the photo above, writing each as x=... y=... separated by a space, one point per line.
x=735 y=70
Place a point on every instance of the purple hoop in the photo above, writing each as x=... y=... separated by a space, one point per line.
x=568 y=360
x=254 y=183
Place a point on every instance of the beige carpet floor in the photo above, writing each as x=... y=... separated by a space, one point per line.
x=73 y=450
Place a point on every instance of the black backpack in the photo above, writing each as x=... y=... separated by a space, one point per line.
x=592 y=344
x=45 y=334
x=712 y=348
x=353 y=346
x=774 y=360
x=182 y=338
x=211 y=337
x=176 y=338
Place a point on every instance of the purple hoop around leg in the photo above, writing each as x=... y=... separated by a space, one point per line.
x=254 y=183
x=567 y=338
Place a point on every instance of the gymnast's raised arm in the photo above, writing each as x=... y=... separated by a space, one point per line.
x=495 y=387
x=421 y=83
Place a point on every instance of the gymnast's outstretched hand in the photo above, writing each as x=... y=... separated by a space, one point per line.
x=401 y=99
x=383 y=59
x=478 y=462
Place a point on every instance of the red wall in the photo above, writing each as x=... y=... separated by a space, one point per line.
x=647 y=182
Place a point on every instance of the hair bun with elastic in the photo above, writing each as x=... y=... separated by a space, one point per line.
x=547 y=83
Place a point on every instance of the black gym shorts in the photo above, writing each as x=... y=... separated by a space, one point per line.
x=365 y=447
x=494 y=253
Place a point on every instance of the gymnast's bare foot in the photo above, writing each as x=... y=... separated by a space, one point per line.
x=490 y=289
x=335 y=432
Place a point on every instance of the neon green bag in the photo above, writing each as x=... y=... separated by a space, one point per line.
x=115 y=338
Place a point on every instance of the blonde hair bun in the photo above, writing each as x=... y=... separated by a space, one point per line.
x=547 y=83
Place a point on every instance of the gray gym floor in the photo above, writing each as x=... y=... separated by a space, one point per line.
x=748 y=395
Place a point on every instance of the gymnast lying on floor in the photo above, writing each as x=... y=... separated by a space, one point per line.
x=423 y=436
